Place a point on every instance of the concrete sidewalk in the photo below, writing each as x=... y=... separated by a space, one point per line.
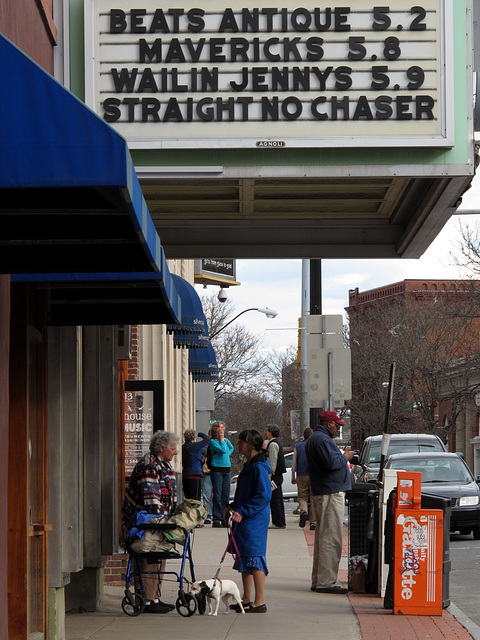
x=292 y=608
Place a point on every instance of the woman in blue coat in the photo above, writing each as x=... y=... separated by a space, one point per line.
x=251 y=513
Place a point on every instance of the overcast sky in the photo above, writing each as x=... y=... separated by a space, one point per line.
x=278 y=283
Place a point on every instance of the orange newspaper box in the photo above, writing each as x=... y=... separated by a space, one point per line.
x=418 y=552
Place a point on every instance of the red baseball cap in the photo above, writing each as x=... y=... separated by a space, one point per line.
x=331 y=416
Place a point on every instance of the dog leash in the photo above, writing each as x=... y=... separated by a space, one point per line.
x=230 y=548
x=206 y=591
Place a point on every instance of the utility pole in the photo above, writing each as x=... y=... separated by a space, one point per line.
x=304 y=409
x=315 y=309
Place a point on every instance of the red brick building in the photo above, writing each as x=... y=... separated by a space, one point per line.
x=460 y=425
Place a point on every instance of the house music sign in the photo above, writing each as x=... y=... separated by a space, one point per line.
x=204 y=75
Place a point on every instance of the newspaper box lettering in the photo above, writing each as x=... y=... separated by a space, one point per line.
x=414 y=550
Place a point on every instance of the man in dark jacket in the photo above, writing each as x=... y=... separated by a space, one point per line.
x=277 y=463
x=329 y=480
x=192 y=463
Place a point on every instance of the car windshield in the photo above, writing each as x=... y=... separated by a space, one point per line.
x=448 y=470
x=401 y=447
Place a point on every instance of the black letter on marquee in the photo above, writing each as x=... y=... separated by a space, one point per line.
x=175 y=52
x=118 y=24
x=150 y=107
x=111 y=108
x=384 y=108
x=196 y=22
x=131 y=102
x=363 y=109
x=159 y=22
x=172 y=111
x=124 y=80
x=315 y=49
x=297 y=108
x=136 y=18
x=300 y=25
x=244 y=102
x=147 y=53
x=243 y=84
x=425 y=106
x=315 y=112
x=344 y=79
x=403 y=107
x=270 y=108
x=228 y=22
x=239 y=48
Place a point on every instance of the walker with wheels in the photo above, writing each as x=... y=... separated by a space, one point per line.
x=133 y=603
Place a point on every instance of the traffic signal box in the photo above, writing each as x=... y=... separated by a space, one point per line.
x=418 y=552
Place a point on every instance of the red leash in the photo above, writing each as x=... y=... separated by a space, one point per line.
x=231 y=548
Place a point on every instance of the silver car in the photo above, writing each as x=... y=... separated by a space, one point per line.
x=368 y=465
x=446 y=475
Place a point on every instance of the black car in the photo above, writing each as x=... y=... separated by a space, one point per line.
x=446 y=475
x=368 y=466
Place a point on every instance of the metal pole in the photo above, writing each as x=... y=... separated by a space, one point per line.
x=386 y=437
x=315 y=309
x=304 y=410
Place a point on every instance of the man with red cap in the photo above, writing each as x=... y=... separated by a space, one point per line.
x=329 y=480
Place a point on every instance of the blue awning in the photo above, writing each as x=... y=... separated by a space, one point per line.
x=193 y=322
x=202 y=364
x=123 y=298
x=70 y=200
x=190 y=340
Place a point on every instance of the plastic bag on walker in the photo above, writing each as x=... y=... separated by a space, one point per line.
x=188 y=515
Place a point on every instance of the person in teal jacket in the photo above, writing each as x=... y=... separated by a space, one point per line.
x=251 y=517
x=220 y=449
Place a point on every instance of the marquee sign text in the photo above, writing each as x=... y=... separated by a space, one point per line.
x=247 y=76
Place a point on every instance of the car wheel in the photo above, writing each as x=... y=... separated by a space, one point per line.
x=476 y=533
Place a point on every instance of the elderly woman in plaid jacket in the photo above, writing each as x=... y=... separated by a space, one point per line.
x=153 y=488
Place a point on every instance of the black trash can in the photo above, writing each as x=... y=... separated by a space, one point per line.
x=362 y=503
x=374 y=541
x=445 y=504
x=358 y=519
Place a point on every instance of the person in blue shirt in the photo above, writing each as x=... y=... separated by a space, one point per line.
x=250 y=512
x=220 y=449
x=301 y=478
x=192 y=463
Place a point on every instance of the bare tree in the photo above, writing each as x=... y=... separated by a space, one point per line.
x=217 y=313
x=253 y=386
x=280 y=380
x=249 y=410
x=238 y=351
x=467 y=253
x=434 y=343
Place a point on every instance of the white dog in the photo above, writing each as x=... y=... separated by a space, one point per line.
x=214 y=590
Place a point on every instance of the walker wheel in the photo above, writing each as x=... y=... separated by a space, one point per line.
x=133 y=604
x=201 y=603
x=186 y=605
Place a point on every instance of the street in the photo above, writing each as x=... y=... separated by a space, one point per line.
x=464 y=575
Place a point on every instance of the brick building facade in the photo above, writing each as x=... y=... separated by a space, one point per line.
x=461 y=426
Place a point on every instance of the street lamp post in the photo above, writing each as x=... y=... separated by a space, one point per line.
x=270 y=313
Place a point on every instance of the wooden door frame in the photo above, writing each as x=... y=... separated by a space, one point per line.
x=28 y=328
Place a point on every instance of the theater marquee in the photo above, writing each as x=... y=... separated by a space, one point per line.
x=203 y=75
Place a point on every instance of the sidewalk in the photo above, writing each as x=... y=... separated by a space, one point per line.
x=292 y=607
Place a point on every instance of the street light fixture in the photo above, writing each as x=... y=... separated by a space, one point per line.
x=270 y=313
